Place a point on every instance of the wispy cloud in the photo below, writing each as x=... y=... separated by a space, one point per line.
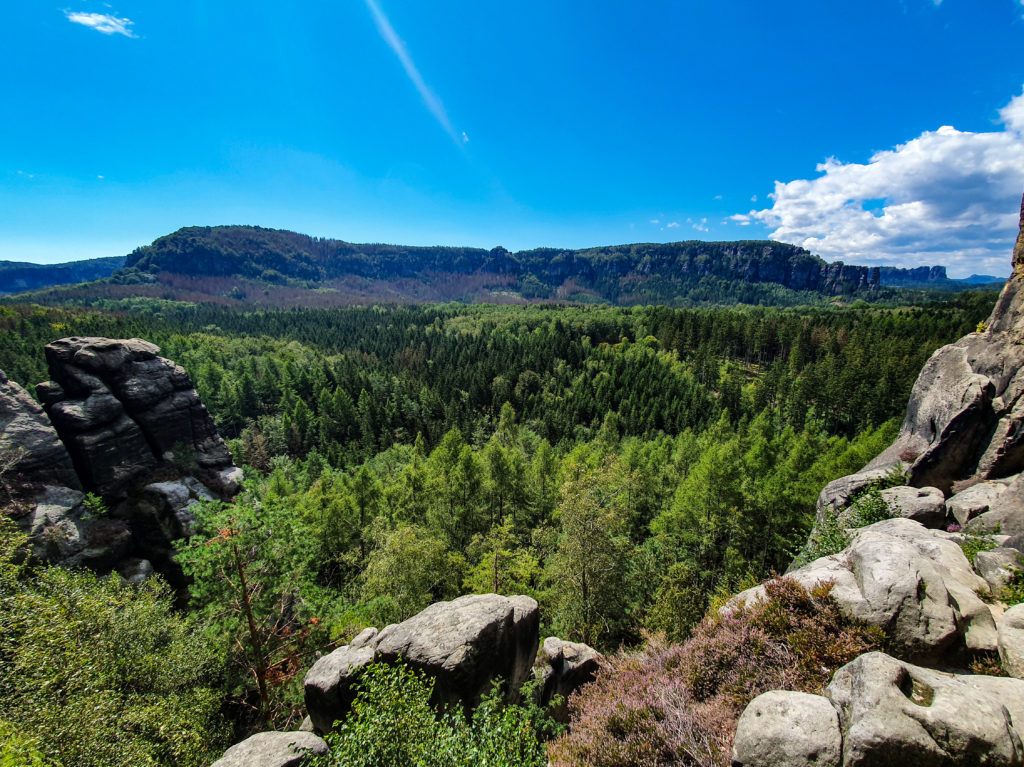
x=432 y=102
x=102 y=22
x=947 y=196
x=672 y=225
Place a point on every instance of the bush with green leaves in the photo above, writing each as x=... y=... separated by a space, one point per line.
x=393 y=724
x=99 y=673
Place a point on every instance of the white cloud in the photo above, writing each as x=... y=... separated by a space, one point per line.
x=655 y=221
x=718 y=197
x=672 y=225
x=433 y=103
x=946 y=197
x=465 y=138
x=102 y=22
x=701 y=226
x=754 y=198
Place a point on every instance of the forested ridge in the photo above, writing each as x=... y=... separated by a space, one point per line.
x=625 y=466
x=244 y=265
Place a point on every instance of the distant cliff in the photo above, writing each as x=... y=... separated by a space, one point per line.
x=636 y=273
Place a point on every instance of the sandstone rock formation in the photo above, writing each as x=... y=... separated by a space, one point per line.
x=560 y=669
x=28 y=443
x=122 y=411
x=272 y=749
x=118 y=421
x=912 y=582
x=464 y=645
x=788 y=729
x=1011 y=642
x=896 y=713
x=962 y=444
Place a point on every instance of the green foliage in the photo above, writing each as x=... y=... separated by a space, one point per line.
x=972 y=543
x=1013 y=592
x=95 y=506
x=392 y=724
x=96 y=672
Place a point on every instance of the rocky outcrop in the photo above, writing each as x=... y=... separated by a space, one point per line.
x=464 y=645
x=913 y=583
x=560 y=669
x=124 y=424
x=29 y=447
x=965 y=419
x=960 y=453
x=272 y=749
x=123 y=411
x=893 y=713
x=788 y=729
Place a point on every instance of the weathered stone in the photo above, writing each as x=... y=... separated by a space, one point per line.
x=926 y=505
x=839 y=493
x=61 y=531
x=1005 y=514
x=136 y=571
x=913 y=583
x=29 y=441
x=272 y=749
x=1011 y=641
x=788 y=729
x=996 y=566
x=894 y=713
x=123 y=411
x=560 y=669
x=329 y=684
x=974 y=501
x=464 y=645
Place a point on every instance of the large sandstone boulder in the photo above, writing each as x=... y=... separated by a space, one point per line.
x=788 y=729
x=560 y=669
x=464 y=645
x=912 y=582
x=29 y=446
x=123 y=411
x=894 y=713
x=272 y=749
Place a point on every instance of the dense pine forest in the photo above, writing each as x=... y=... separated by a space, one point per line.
x=627 y=467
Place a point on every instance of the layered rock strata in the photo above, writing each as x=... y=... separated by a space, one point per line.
x=127 y=425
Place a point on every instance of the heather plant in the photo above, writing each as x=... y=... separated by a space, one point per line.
x=677 y=704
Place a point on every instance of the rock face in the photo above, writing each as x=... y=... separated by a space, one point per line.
x=894 y=713
x=115 y=418
x=272 y=749
x=966 y=414
x=788 y=729
x=28 y=441
x=914 y=583
x=562 y=668
x=464 y=645
x=122 y=411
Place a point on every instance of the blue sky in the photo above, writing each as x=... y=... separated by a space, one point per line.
x=522 y=124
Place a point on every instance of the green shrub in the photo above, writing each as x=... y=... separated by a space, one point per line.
x=96 y=673
x=392 y=724
x=972 y=543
